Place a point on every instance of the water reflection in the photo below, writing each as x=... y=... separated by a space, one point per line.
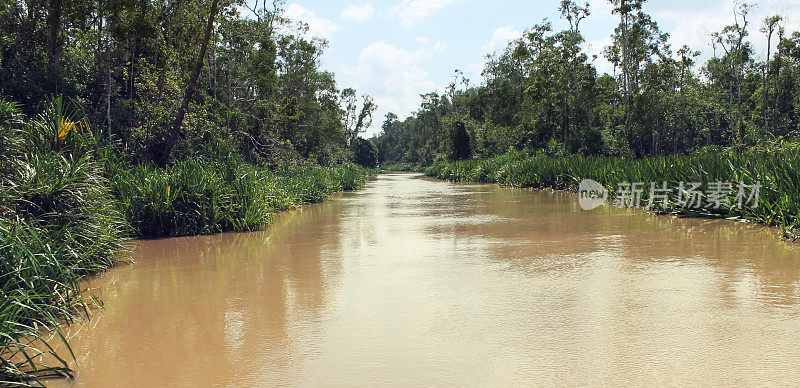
x=217 y=309
x=420 y=282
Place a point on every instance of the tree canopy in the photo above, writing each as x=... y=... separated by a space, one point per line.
x=162 y=77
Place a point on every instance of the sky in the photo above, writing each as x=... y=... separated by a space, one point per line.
x=395 y=50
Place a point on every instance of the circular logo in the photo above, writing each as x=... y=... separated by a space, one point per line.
x=591 y=194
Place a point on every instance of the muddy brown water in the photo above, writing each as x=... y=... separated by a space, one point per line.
x=415 y=282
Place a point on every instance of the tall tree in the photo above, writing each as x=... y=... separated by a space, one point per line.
x=770 y=24
x=737 y=55
x=356 y=121
x=686 y=61
x=192 y=85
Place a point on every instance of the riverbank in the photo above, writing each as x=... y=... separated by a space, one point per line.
x=775 y=170
x=69 y=200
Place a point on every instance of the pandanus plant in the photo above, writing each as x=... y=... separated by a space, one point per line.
x=57 y=225
x=62 y=125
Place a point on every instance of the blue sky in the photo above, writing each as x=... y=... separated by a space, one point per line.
x=396 y=50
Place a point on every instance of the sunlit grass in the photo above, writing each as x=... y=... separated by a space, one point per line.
x=776 y=168
x=208 y=197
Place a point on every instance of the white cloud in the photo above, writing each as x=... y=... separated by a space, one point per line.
x=601 y=8
x=317 y=26
x=414 y=12
x=501 y=37
x=437 y=47
x=358 y=13
x=695 y=28
x=394 y=77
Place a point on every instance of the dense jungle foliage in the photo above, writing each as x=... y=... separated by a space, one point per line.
x=543 y=92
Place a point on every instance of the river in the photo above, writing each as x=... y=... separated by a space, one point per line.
x=416 y=282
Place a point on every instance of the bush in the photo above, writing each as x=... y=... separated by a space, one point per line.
x=460 y=141
x=365 y=153
x=205 y=197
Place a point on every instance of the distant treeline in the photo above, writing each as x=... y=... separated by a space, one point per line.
x=543 y=93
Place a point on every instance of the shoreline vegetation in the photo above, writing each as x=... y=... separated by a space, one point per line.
x=147 y=119
x=775 y=169
x=69 y=200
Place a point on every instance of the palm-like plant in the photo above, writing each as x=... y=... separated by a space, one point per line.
x=57 y=225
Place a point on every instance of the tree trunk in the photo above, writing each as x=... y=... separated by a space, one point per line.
x=140 y=25
x=53 y=32
x=766 y=84
x=102 y=112
x=680 y=137
x=190 y=88
x=778 y=57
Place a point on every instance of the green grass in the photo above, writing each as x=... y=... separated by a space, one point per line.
x=205 y=197
x=67 y=204
x=777 y=168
